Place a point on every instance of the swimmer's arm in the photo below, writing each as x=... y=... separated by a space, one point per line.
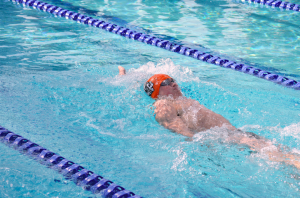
x=265 y=146
x=178 y=126
x=166 y=115
x=212 y=119
x=253 y=141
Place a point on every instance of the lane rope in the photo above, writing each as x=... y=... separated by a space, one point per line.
x=275 y=4
x=113 y=19
x=85 y=178
x=164 y=44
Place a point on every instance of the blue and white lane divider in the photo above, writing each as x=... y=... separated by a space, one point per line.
x=164 y=44
x=79 y=175
x=275 y=4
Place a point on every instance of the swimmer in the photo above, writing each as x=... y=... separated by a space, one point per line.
x=187 y=117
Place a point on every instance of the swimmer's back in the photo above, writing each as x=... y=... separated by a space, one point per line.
x=196 y=117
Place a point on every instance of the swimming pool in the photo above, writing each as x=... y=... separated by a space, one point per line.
x=59 y=89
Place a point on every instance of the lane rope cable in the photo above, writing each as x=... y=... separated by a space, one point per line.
x=78 y=174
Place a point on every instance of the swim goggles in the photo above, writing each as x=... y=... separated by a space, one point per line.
x=167 y=82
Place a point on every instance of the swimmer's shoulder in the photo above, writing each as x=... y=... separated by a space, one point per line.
x=163 y=102
x=187 y=102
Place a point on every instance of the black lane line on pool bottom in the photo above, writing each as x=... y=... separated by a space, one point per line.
x=78 y=174
x=164 y=44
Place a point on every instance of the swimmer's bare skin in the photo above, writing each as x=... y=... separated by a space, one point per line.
x=187 y=117
x=121 y=70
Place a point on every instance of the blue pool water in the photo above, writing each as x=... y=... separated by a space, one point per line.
x=59 y=88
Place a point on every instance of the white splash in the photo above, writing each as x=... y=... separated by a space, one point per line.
x=292 y=130
x=90 y=124
x=180 y=162
x=120 y=123
x=134 y=78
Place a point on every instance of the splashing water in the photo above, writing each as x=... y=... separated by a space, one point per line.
x=143 y=73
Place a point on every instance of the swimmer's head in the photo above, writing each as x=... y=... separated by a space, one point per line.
x=161 y=85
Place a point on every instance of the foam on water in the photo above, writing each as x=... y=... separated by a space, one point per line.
x=292 y=130
x=144 y=72
x=284 y=133
x=91 y=124
x=136 y=77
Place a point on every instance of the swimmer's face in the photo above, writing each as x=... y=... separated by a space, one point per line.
x=169 y=87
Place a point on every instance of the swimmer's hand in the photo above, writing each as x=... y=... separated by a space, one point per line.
x=122 y=71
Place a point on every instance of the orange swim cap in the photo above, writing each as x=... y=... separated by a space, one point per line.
x=153 y=84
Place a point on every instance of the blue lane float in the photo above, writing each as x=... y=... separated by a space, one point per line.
x=167 y=45
x=78 y=174
x=275 y=4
